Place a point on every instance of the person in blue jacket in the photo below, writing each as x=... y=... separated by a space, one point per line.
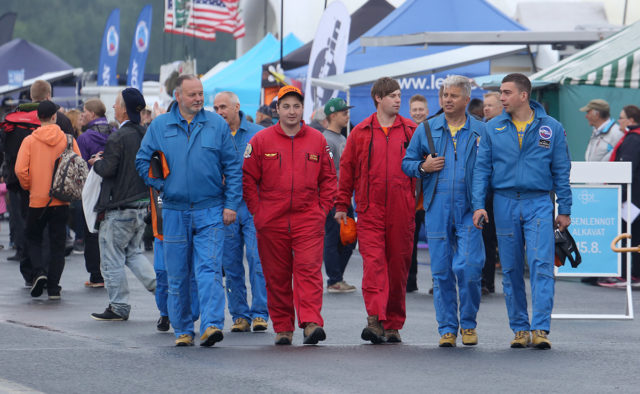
x=201 y=194
x=242 y=233
x=524 y=157
x=455 y=245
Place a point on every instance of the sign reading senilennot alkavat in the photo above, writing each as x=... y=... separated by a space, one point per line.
x=595 y=222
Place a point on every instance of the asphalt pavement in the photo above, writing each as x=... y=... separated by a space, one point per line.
x=55 y=347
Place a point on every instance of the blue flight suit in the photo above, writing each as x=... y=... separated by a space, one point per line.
x=455 y=245
x=242 y=234
x=205 y=178
x=522 y=179
x=162 y=285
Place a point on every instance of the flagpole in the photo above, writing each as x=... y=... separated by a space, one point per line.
x=281 y=32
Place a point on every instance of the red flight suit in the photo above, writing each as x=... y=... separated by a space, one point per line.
x=385 y=204
x=289 y=185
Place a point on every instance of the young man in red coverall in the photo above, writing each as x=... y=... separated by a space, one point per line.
x=385 y=204
x=289 y=185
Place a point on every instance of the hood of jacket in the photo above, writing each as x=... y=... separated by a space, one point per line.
x=50 y=134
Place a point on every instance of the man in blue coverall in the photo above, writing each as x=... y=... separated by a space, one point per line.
x=456 y=247
x=242 y=233
x=201 y=194
x=524 y=156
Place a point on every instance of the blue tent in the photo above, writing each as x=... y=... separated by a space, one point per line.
x=244 y=76
x=19 y=54
x=417 y=16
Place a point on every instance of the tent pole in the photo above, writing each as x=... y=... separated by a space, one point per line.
x=348 y=101
x=533 y=61
x=281 y=31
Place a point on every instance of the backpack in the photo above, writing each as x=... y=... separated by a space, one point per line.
x=16 y=127
x=69 y=175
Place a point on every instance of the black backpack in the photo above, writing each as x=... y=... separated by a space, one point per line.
x=15 y=128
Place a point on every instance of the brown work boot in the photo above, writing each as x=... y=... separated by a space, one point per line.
x=540 y=340
x=184 y=340
x=373 y=331
x=240 y=325
x=284 y=338
x=521 y=340
x=211 y=335
x=259 y=324
x=392 y=336
x=447 y=339
x=469 y=336
x=313 y=334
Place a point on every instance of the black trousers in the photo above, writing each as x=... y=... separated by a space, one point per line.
x=91 y=252
x=412 y=281
x=55 y=218
x=635 y=257
x=490 y=246
x=336 y=256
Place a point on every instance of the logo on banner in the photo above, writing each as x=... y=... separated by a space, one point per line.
x=586 y=197
x=142 y=36
x=112 y=41
x=15 y=77
x=545 y=132
x=325 y=65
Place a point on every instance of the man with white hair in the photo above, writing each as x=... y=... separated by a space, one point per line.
x=457 y=251
x=242 y=233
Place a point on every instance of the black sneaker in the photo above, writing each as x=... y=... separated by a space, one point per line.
x=54 y=296
x=108 y=315
x=38 y=286
x=163 y=323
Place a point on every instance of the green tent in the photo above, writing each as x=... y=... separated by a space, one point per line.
x=609 y=70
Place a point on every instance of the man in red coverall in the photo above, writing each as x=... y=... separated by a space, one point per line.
x=289 y=185
x=385 y=204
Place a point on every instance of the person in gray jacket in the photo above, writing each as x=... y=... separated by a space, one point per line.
x=124 y=198
x=606 y=133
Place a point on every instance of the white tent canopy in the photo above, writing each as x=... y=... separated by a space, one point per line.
x=50 y=76
x=434 y=63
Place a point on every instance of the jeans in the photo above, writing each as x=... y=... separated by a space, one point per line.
x=120 y=238
x=55 y=218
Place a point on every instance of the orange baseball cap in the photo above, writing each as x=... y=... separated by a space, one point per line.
x=289 y=89
x=348 y=233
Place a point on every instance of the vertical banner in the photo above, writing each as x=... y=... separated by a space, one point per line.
x=328 y=54
x=139 y=49
x=109 y=51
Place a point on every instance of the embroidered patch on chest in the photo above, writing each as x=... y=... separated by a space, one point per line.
x=313 y=157
x=271 y=156
x=544 y=143
x=545 y=132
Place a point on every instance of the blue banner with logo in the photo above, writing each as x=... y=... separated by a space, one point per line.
x=109 y=51
x=139 y=49
x=595 y=222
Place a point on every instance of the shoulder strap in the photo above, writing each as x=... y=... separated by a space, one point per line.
x=427 y=131
x=69 y=142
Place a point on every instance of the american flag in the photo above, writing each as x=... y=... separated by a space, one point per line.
x=202 y=18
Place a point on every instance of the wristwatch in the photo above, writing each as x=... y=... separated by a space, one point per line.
x=422 y=171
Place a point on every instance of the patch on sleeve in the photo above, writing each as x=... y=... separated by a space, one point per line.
x=248 y=151
x=328 y=150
